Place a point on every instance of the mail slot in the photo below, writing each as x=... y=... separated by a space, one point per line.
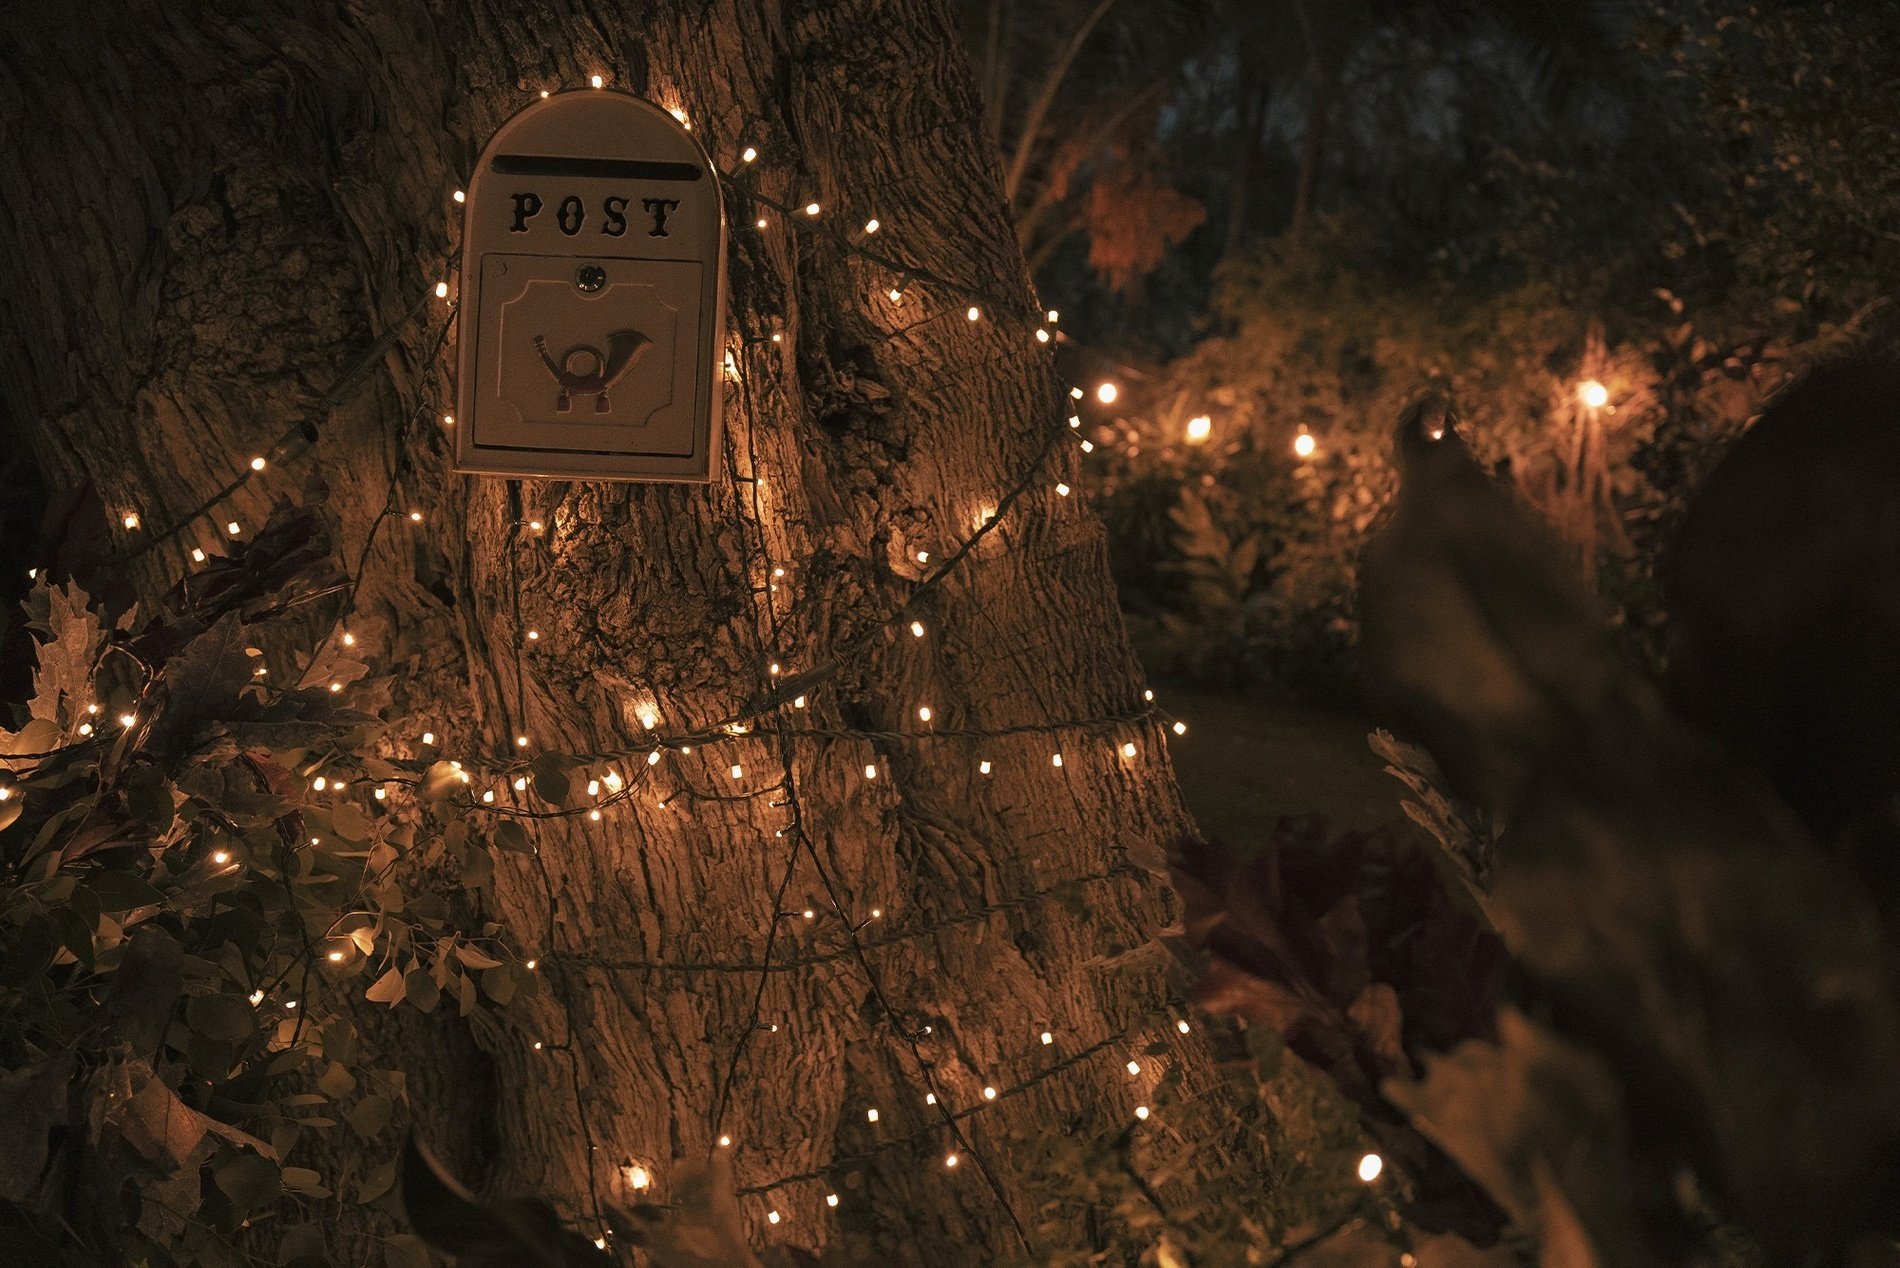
x=593 y=305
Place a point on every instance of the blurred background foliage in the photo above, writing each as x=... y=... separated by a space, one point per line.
x=1263 y=220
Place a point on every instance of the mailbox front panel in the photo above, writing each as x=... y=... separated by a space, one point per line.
x=592 y=300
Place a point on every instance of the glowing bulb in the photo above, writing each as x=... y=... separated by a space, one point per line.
x=415 y=517
x=1106 y=393
x=974 y=313
x=349 y=639
x=1141 y=1112
x=725 y=1142
x=428 y=737
x=85 y=728
x=220 y=857
x=1304 y=445
x=257 y=464
x=1048 y=1038
x=983 y=768
x=1199 y=429
x=649 y=719
x=130 y=521
x=544 y=95
x=128 y=719
x=831 y=1199
x=771 y=1217
x=679 y=114
x=930 y=1098
x=488 y=797
x=916 y=629
x=530 y=965
x=897 y=296
x=448 y=420
x=748 y=154
x=441 y=290
x=382 y=794
x=319 y=783
x=870 y=770
x=798 y=702
x=1179 y=728
x=653 y=758
x=871 y=225
x=521 y=741
x=638 y=1178
x=1087 y=447
x=923 y=556
x=760 y=223
x=257 y=997
x=1075 y=393
x=871 y=1115
x=1134 y=1067
x=1054 y=316
x=1062 y=490
x=1055 y=759
x=811 y=209
x=600 y=1243
x=923 y=713
x=1042 y=336
x=534 y=636
x=989 y=1093
x=1128 y=749
x=950 y=1160
x=1075 y=424
x=596 y=81
x=738 y=771
x=1593 y=394
x=536 y=526
x=460 y=197
x=336 y=957
x=197 y=556
x=1370 y=1166
x=1182 y=1026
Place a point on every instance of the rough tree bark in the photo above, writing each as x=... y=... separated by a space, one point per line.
x=211 y=207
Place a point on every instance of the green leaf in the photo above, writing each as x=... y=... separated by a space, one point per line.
x=499 y=983
x=305 y=1181
x=121 y=891
x=550 y=776
x=226 y=1018
x=371 y=1114
x=387 y=989
x=510 y=835
x=38 y=736
x=421 y=989
x=248 y=1181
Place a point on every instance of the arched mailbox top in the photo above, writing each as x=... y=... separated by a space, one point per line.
x=593 y=296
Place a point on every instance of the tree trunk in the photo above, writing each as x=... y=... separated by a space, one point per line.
x=213 y=208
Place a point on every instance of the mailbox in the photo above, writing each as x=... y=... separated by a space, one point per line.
x=592 y=296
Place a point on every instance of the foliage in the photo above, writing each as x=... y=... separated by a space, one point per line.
x=201 y=863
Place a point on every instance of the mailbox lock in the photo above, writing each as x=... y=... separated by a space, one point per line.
x=590 y=278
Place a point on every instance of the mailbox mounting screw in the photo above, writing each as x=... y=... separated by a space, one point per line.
x=590 y=278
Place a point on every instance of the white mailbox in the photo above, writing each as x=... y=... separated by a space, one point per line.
x=592 y=296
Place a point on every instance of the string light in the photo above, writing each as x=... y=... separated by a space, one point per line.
x=748 y=154
x=1042 y=336
x=596 y=80
x=831 y=1199
x=1179 y=728
x=950 y=1160
x=916 y=629
x=448 y=420
x=725 y=1142
x=197 y=556
x=989 y=1093
x=870 y=770
x=130 y=522
x=1047 y=1038
x=1593 y=394
x=811 y=209
x=1134 y=1067
x=871 y=1115
x=1141 y=1112
x=871 y=225
x=441 y=290
x=1199 y=428
x=460 y=197
x=1054 y=317
x=1182 y=1026
x=257 y=464
x=1062 y=490
x=1304 y=444
x=771 y=1217
x=1055 y=759
x=1106 y=392
x=232 y=528
x=923 y=713
x=1370 y=1166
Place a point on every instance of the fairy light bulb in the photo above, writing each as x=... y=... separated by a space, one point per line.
x=1055 y=759
x=336 y=957
x=1075 y=422
x=870 y=1115
x=127 y=720
x=459 y=196
x=1134 y=1068
x=1088 y=447
x=521 y=741
x=989 y=1093
x=798 y=702
x=448 y=420
x=1054 y=316
x=349 y=639
x=923 y=556
x=1179 y=728
x=870 y=770
x=1593 y=394
x=319 y=783
x=679 y=114
x=872 y=225
x=649 y=719
x=613 y=781
x=1042 y=336
x=916 y=629
x=983 y=767
x=653 y=758
x=382 y=794
x=197 y=556
x=220 y=857
x=950 y=1160
x=441 y=290
x=1047 y=1038
x=747 y=155
x=812 y=209
x=1199 y=428
x=930 y=1098
x=897 y=296
x=759 y=223
x=738 y=771
x=923 y=713
x=974 y=313
x=1370 y=1166
x=488 y=797
x=1304 y=445
x=130 y=522
x=257 y=464
x=257 y=997
x=1128 y=749
x=637 y=1177
x=1075 y=393
x=1106 y=392
x=536 y=526
x=725 y=1142
x=428 y=737
x=771 y=1217
x=231 y=527
x=534 y=636
x=415 y=517
x=1062 y=490
x=831 y=1199
x=1183 y=1026
x=1141 y=1112
x=596 y=80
